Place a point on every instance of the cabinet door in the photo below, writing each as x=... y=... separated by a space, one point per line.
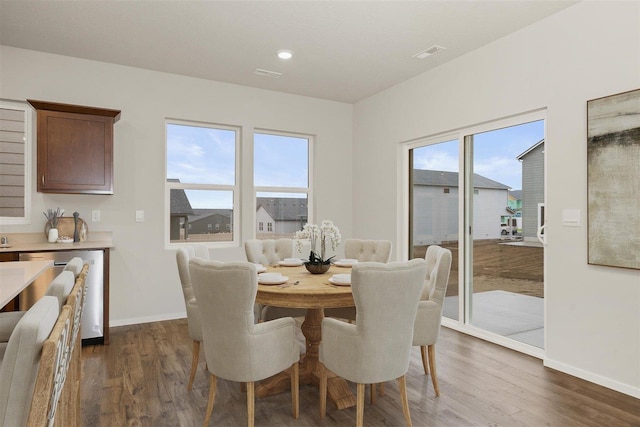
x=75 y=153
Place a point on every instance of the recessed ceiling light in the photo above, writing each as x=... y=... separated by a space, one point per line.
x=428 y=52
x=285 y=54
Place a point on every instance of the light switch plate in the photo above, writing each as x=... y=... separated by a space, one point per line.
x=139 y=216
x=95 y=216
x=571 y=217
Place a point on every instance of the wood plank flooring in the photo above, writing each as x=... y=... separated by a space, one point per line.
x=140 y=380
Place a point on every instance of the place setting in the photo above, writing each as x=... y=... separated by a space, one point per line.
x=346 y=262
x=340 y=280
x=291 y=262
x=272 y=279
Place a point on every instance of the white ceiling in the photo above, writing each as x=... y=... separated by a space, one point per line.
x=343 y=50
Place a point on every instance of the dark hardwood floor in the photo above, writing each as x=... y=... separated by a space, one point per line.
x=140 y=380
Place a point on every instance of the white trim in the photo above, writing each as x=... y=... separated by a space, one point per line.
x=593 y=378
x=147 y=319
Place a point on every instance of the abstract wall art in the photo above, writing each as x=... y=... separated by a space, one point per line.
x=613 y=180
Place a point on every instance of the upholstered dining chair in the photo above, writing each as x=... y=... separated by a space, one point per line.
x=236 y=348
x=75 y=266
x=19 y=366
x=60 y=287
x=363 y=251
x=377 y=347
x=270 y=252
x=429 y=315
x=183 y=255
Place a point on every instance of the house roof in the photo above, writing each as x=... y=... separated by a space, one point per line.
x=530 y=149
x=179 y=202
x=200 y=214
x=284 y=208
x=516 y=194
x=450 y=179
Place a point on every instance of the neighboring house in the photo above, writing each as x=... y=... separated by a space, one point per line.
x=532 y=190
x=435 y=207
x=180 y=210
x=211 y=221
x=280 y=215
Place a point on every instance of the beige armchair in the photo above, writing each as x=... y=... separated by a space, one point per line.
x=183 y=255
x=236 y=348
x=20 y=361
x=429 y=315
x=270 y=252
x=363 y=251
x=377 y=347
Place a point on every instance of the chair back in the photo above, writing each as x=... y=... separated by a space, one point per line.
x=268 y=252
x=183 y=255
x=21 y=360
x=52 y=372
x=74 y=266
x=438 y=261
x=368 y=250
x=386 y=298
x=61 y=286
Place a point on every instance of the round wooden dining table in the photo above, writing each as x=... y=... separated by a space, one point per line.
x=315 y=293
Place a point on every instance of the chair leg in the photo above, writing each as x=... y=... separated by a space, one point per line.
x=432 y=366
x=372 y=393
x=402 y=385
x=251 y=401
x=381 y=389
x=322 y=388
x=423 y=353
x=194 y=363
x=213 y=380
x=295 y=389
x=360 y=405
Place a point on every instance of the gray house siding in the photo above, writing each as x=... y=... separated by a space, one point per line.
x=532 y=189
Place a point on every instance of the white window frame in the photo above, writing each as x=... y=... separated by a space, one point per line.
x=300 y=190
x=28 y=149
x=235 y=188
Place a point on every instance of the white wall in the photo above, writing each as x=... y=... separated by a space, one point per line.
x=584 y=52
x=144 y=278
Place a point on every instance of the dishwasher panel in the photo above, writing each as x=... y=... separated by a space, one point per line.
x=93 y=315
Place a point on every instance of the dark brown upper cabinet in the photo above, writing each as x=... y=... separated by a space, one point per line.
x=75 y=148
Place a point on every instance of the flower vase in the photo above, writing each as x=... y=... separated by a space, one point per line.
x=52 y=236
x=317 y=268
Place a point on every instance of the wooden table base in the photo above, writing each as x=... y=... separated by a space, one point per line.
x=338 y=390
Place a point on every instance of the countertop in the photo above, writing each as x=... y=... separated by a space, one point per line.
x=36 y=242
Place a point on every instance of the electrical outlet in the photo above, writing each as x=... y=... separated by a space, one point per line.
x=139 y=216
x=95 y=216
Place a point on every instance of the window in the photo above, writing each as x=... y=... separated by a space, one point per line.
x=15 y=167
x=201 y=182
x=282 y=175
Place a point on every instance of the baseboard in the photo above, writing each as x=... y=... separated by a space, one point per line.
x=147 y=319
x=593 y=378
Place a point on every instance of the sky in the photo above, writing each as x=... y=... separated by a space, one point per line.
x=495 y=153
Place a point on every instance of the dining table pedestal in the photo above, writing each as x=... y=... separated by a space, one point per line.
x=314 y=293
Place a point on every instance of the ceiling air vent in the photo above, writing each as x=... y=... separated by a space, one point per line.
x=428 y=52
x=267 y=73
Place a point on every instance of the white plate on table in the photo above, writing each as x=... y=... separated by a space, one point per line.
x=260 y=268
x=271 y=279
x=291 y=262
x=347 y=262
x=340 y=279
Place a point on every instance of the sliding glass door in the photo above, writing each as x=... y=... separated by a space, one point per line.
x=481 y=194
